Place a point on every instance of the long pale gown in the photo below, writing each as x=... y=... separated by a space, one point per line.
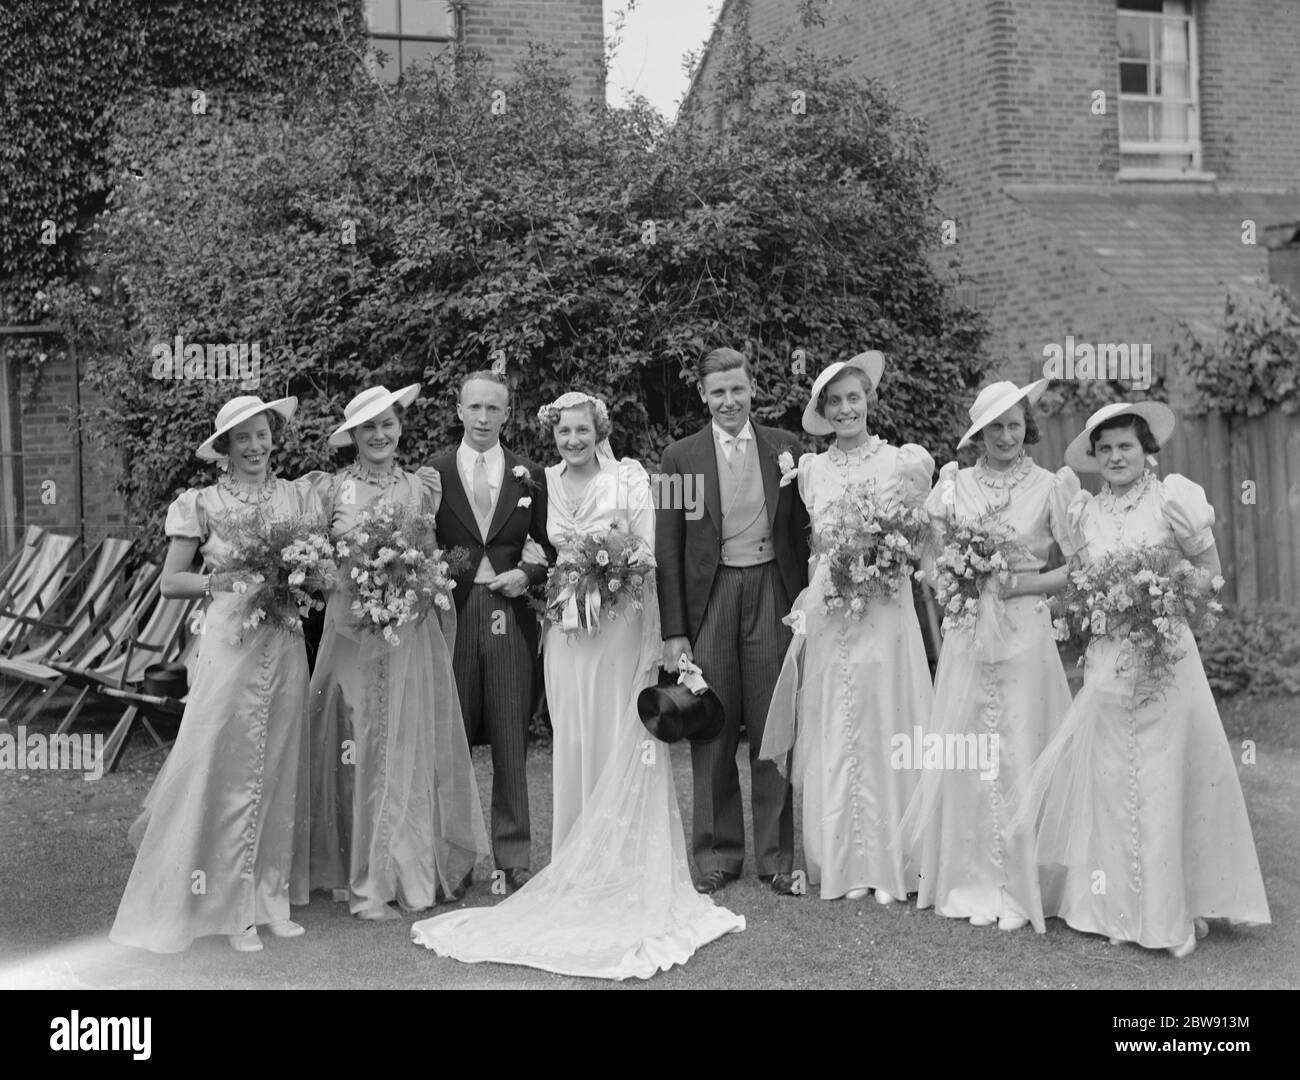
x=215 y=840
x=391 y=810
x=1011 y=687
x=1143 y=825
x=617 y=900
x=849 y=688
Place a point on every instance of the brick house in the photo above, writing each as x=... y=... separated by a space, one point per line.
x=1111 y=165
x=51 y=477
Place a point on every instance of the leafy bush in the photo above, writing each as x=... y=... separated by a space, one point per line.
x=1254 y=651
x=375 y=238
x=1253 y=363
x=67 y=64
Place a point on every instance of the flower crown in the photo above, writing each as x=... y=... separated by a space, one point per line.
x=549 y=415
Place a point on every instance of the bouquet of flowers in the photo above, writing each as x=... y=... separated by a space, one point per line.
x=869 y=550
x=598 y=574
x=277 y=566
x=1143 y=596
x=977 y=554
x=394 y=569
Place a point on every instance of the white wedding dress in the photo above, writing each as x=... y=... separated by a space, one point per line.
x=616 y=901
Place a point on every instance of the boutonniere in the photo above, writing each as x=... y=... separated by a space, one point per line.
x=525 y=478
x=789 y=470
x=525 y=502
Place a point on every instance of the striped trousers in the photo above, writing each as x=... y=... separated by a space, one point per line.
x=494 y=677
x=740 y=647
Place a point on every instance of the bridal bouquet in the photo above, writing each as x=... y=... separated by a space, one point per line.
x=977 y=555
x=869 y=551
x=276 y=567
x=1143 y=596
x=394 y=569
x=599 y=573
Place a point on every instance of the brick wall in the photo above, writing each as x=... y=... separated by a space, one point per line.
x=1250 y=92
x=503 y=30
x=68 y=482
x=1006 y=89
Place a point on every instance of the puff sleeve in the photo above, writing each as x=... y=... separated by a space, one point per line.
x=186 y=518
x=942 y=500
x=807 y=489
x=315 y=492
x=914 y=469
x=634 y=499
x=430 y=485
x=1074 y=515
x=1065 y=488
x=1188 y=512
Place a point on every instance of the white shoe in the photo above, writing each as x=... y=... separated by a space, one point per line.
x=981 y=920
x=1201 y=927
x=1012 y=922
x=1116 y=941
x=248 y=941
x=883 y=898
x=1186 y=948
x=377 y=913
x=856 y=894
x=286 y=928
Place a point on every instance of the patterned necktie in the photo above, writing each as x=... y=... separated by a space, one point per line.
x=737 y=457
x=482 y=493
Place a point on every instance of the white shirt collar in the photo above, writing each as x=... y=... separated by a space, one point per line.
x=747 y=432
x=467 y=455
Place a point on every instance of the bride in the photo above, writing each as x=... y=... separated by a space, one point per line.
x=617 y=900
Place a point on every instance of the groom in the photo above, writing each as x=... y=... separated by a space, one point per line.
x=726 y=579
x=492 y=501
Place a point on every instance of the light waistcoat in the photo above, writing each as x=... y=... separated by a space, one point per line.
x=746 y=535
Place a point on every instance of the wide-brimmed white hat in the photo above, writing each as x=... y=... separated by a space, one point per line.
x=1159 y=418
x=235 y=411
x=367 y=405
x=870 y=363
x=994 y=400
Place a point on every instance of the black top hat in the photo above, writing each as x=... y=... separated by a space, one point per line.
x=670 y=712
x=166 y=680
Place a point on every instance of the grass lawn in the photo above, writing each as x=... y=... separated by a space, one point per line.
x=64 y=860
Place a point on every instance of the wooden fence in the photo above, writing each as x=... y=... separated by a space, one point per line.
x=1250 y=470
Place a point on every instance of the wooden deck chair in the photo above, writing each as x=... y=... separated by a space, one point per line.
x=34 y=591
x=38 y=681
x=15 y=567
x=164 y=640
x=83 y=601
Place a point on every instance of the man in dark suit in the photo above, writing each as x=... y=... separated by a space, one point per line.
x=492 y=501
x=726 y=579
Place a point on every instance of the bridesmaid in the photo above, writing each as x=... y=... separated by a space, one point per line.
x=394 y=811
x=590 y=680
x=849 y=686
x=1143 y=833
x=215 y=841
x=1011 y=694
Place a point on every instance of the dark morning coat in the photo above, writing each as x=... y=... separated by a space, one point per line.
x=689 y=552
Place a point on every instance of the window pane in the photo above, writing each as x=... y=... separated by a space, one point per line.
x=1133 y=78
x=1171 y=81
x=426 y=18
x=1134 y=122
x=1134 y=35
x=382 y=16
x=418 y=52
x=388 y=72
x=1173 y=42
